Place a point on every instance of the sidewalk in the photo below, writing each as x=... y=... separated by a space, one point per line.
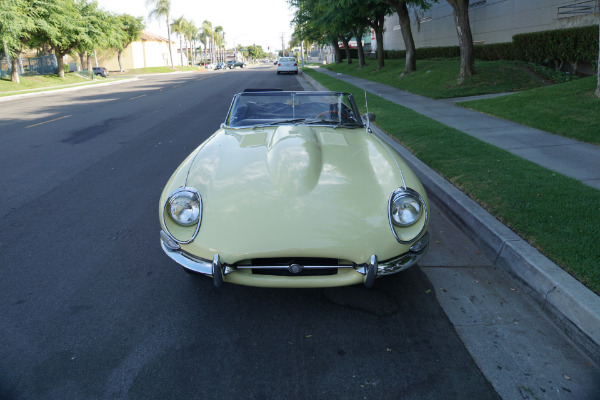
x=569 y=304
x=563 y=155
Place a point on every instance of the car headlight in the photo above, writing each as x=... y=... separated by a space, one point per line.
x=406 y=207
x=185 y=207
x=408 y=215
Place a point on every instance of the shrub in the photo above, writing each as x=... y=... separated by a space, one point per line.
x=554 y=48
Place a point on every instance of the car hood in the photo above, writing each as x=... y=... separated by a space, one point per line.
x=313 y=192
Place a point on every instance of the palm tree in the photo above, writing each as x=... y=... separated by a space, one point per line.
x=210 y=35
x=219 y=38
x=190 y=33
x=162 y=8
x=178 y=27
x=203 y=38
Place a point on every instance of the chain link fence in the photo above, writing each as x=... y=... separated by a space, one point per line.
x=45 y=65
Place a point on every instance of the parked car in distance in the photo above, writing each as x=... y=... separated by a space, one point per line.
x=287 y=64
x=234 y=64
x=210 y=66
x=294 y=190
x=100 y=71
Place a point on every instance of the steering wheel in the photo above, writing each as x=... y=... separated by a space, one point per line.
x=344 y=116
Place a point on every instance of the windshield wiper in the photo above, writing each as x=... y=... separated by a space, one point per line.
x=349 y=125
x=282 y=121
x=316 y=121
x=330 y=122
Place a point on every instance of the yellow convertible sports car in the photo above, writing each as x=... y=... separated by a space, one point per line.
x=294 y=191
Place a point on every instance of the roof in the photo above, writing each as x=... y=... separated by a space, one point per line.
x=152 y=37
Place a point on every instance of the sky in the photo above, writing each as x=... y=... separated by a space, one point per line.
x=244 y=22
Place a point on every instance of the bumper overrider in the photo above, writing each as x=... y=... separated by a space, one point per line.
x=365 y=273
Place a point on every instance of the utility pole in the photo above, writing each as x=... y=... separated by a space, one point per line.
x=282 y=46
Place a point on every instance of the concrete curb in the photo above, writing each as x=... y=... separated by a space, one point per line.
x=570 y=305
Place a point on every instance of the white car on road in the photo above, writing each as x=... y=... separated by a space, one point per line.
x=287 y=64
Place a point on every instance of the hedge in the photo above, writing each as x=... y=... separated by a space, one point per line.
x=572 y=45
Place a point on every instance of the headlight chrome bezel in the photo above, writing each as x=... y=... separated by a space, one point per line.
x=181 y=192
x=404 y=192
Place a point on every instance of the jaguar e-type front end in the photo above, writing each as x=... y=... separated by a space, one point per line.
x=294 y=205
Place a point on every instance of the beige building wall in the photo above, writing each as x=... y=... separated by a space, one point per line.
x=150 y=51
x=492 y=21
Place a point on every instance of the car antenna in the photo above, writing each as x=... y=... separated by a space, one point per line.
x=367 y=114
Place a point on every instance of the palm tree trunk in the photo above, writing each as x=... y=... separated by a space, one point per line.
x=169 y=38
x=181 y=50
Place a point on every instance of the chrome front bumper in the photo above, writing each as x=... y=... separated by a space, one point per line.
x=369 y=271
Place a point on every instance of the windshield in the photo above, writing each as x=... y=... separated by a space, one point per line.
x=273 y=108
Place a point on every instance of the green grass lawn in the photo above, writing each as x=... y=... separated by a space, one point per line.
x=438 y=78
x=30 y=83
x=569 y=109
x=50 y=82
x=556 y=214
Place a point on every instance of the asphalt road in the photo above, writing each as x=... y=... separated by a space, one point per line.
x=92 y=309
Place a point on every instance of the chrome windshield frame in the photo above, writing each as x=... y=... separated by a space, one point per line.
x=292 y=95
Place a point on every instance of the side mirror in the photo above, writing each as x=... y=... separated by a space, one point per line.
x=370 y=116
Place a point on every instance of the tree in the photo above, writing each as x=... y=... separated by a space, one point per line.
x=346 y=42
x=190 y=33
x=132 y=28
x=219 y=40
x=178 y=27
x=358 y=33
x=100 y=30
x=336 y=49
x=256 y=52
x=374 y=12
x=465 y=38
x=63 y=28
x=203 y=38
x=162 y=8
x=17 y=23
x=404 y=19
x=209 y=33
x=598 y=65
